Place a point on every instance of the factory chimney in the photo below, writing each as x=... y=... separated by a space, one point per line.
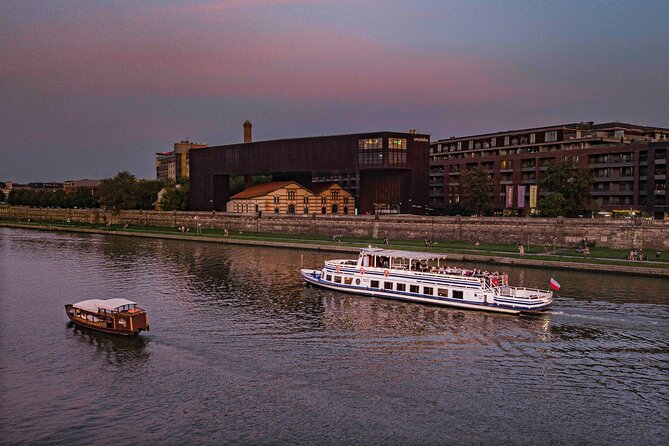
x=247 y=132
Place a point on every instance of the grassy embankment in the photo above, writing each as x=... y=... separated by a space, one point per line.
x=598 y=255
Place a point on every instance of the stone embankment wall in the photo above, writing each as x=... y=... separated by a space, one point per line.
x=636 y=233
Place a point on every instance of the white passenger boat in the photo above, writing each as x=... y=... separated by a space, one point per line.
x=426 y=278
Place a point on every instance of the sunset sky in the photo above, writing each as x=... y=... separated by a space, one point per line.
x=89 y=88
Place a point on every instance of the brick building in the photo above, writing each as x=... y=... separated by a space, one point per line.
x=628 y=162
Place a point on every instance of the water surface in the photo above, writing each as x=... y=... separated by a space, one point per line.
x=240 y=352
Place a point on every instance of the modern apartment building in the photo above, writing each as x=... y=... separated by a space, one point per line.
x=175 y=164
x=628 y=162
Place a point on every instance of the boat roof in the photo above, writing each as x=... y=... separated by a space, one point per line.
x=97 y=304
x=403 y=254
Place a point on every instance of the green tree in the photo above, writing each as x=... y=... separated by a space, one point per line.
x=120 y=192
x=553 y=205
x=147 y=193
x=477 y=189
x=82 y=197
x=2 y=196
x=570 y=181
x=175 y=197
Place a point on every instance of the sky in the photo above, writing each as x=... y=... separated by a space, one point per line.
x=90 y=88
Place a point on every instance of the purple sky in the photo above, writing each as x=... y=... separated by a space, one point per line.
x=89 y=88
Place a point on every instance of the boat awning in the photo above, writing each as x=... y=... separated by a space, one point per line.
x=417 y=255
x=95 y=305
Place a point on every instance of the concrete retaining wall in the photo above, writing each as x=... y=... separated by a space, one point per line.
x=638 y=233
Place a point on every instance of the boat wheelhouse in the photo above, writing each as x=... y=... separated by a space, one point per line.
x=427 y=278
x=116 y=316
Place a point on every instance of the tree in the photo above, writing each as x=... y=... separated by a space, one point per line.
x=2 y=196
x=553 y=205
x=147 y=193
x=175 y=197
x=570 y=181
x=477 y=189
x=119 y=192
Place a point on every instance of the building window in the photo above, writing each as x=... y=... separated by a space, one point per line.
x=345 y=200
x=276 y=210
x=305 y=199
x=335 y=195
x=471 y=144
x=324 y=210
x=276 y=199
x=506 y=140
x=533 y=138
x=323 y=200
x=493 y=142
x=397 y=143
x=345 y=209
x=552 y=136
x=459 y=145
x=291 y=194
x=370 y=143
x=291 y=208
x=619 y=134
x=335 y=208
x=306 y=210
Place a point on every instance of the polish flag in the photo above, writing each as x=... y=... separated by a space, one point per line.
x=554 y=284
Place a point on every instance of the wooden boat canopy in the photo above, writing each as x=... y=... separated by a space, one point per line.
x=107 y=306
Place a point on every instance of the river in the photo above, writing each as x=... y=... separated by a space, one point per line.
x=241 y=352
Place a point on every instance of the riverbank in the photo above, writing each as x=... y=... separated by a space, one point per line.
x=600 y=259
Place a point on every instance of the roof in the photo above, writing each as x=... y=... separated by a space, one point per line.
x=319 y=188
x=402 y=254
x=96 y=304
x=260 y=190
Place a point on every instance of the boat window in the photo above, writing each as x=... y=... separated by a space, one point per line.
x=357 y=281
x=442 y=292
x=328 y=277
x=388 y=285
x=338 y=279
x=401 y=287
x=413 y=288
x=428 y=290
x=457 y=294
x=374 y=283
x=348 y=280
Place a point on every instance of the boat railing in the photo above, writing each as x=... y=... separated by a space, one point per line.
x=522 y=292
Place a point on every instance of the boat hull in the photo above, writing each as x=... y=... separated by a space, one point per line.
x=314 y=277
x=69 y=310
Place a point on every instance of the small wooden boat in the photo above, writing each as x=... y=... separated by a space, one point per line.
x=116 y=316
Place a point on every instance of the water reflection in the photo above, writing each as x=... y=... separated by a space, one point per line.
x=118 y=350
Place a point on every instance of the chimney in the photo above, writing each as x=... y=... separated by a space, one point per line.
x=247 y=132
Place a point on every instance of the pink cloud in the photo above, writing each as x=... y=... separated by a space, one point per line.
x=145 y=56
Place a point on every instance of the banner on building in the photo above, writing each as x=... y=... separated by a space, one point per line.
x=533 y=196
x=521 y=197
x=509 y=197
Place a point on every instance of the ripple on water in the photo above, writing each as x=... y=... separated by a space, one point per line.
x=241 y=352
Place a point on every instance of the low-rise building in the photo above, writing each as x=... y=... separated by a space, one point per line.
x=290 y=197
x=73 y=185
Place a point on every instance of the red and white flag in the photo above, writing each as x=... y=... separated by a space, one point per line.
x=554 y=284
